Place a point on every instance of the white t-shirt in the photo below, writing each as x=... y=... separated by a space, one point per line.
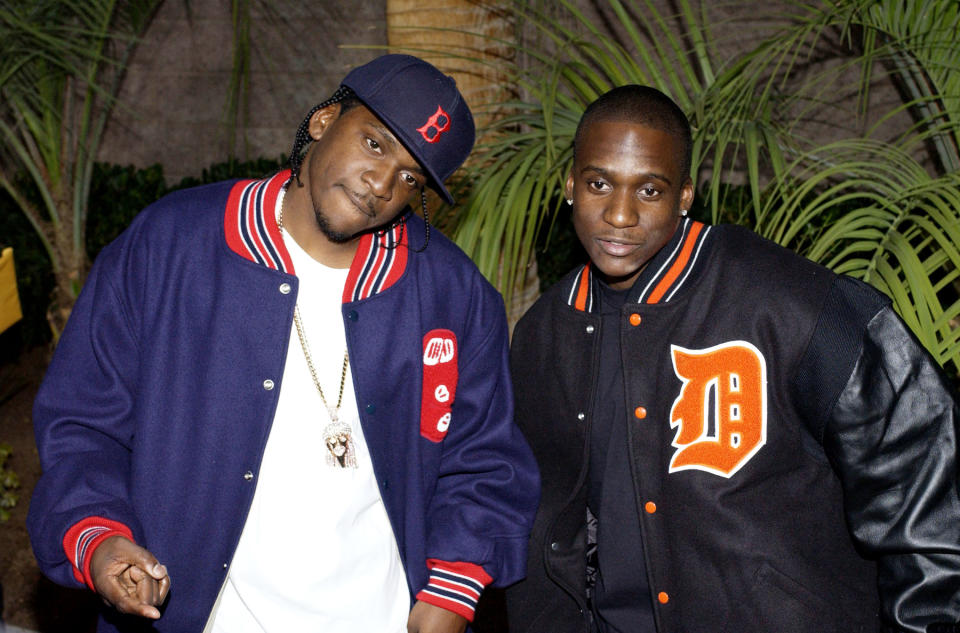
x=317 y=552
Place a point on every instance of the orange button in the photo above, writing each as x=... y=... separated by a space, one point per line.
x=640 y=412
x=635 y=319
x=663 y=597
x=650 y=507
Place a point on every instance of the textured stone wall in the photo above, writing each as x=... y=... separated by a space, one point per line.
x=175 y=92
x=174 y=96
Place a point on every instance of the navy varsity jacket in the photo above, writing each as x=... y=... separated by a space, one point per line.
x=153 y=416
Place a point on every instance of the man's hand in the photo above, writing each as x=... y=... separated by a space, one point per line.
x=426 y=618
x=129 y=578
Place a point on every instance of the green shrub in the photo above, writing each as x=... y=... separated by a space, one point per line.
x=228 y=170
x=34 y=281
x=9 y=483
x=117 y=194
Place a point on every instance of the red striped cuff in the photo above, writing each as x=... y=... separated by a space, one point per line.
x=83 y=538
x=454 y=586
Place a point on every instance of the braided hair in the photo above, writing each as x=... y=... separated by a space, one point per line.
x=347 y=100
x=402 y=222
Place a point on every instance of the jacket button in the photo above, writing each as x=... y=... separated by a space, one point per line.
x=371 y=408
x=352 y=315
x=224 y=565
x=635 y=319
x=554 y=546
x=650 y=507
x=663 y=597
x=590 y=329
x=248 y=476
x=268 y=384
x=285 y=288
x=581 y=416
x=640 y=412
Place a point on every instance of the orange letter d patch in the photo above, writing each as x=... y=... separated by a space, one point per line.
x=721 y=412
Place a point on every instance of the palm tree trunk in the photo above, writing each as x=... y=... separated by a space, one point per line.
x=465 y=38
x=446 y=33
x=70 y=266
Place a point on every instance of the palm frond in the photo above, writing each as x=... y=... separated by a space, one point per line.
x=61 y=64
x=873 y=212
x=865 y=205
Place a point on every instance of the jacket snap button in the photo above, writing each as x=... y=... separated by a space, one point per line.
x=640 y=412
x=268 y=384
x=663 y=597
x=581 y=416
x=554 y=546
x=284 y=288
x=248 y=476
x=635 y=319
x=590 y=329
x=352 y=315
x=650 y=507
x=371 y=408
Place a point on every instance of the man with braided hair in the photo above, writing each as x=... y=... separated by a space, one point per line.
x=282 y=404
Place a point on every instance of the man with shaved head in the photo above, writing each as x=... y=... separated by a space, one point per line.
x=730 y=437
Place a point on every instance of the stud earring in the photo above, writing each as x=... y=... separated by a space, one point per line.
x=683 y=212
x=570 y=201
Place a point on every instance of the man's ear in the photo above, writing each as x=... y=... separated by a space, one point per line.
x=568 y=187
x=321 y=120
x=686 y=195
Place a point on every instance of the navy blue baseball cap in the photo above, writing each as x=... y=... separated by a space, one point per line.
x=424 y=110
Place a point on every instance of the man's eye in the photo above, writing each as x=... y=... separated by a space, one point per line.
x=597 y=185
x=409 y=180
x=372 y=144
x=649 y=191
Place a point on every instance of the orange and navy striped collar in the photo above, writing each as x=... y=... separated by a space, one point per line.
x=251 y=231
x=663 y=276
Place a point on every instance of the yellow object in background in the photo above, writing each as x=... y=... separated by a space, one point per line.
x=9 y=299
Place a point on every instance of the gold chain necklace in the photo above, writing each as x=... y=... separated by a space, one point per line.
x=333 y=412
x=337 y=435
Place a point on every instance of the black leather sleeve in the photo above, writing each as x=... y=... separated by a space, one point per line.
x=892 y=435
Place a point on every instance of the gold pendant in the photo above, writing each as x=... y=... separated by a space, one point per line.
x=338 y=436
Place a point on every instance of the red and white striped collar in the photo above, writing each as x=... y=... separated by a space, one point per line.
x=251 y=231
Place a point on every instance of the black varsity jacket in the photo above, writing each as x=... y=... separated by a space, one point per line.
x=793 y=447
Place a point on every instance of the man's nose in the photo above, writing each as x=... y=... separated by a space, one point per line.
x=379 y=180
x=621 y=211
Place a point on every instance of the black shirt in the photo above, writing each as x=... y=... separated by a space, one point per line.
x=620 y=597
